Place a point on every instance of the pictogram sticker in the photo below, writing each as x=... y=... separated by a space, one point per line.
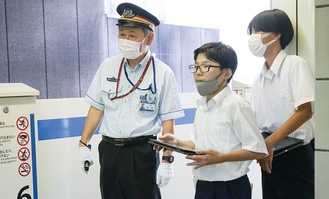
x=22 y=123
x=23 y=154
x=23 y=138
x=24 y=169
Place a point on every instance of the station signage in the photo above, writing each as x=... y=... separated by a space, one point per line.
x=17 y=161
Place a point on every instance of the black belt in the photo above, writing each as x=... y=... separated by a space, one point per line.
x=128 y=141
x=237 y=179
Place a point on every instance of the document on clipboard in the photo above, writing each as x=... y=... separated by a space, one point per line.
x=285 y=145
x=171 y=147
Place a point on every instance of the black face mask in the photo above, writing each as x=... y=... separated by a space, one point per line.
x=208 y=87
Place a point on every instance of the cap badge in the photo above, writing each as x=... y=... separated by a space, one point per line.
x=128 y=13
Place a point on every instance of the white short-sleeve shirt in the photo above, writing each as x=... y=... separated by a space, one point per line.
x=133 y=115
x=226 y=123
x=277 y=92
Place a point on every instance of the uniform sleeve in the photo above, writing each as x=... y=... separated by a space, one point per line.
x=247 y=130
x=93 y=96
x=170 y=104
x=302 y=82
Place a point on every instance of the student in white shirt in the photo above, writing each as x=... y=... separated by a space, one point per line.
x=283 y=100
x=225 y=133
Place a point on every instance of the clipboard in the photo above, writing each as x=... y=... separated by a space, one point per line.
x=285 y=145
x=171 y=147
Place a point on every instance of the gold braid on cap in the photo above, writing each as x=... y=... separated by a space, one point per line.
x=130 y=16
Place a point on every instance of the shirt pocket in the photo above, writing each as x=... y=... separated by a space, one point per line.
x=108 y=91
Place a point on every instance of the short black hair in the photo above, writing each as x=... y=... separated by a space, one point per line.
x=276 y=21
x=219 y=53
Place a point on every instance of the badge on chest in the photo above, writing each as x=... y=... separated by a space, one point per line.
x=147 y=102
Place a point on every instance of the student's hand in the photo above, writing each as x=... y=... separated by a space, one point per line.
x=266 y=163
x=164 y=174
x=168 y=138
x=204 y=157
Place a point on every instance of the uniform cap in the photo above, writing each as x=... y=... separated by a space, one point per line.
x=133 y=15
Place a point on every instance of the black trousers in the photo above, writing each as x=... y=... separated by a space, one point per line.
x=235 y=189
x=128 y=172
x=292 y=175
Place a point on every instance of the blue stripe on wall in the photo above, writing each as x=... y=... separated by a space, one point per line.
x=34 y=159
x=72 y=127
x=188 y=118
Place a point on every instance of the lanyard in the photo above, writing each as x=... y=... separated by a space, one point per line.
x=135 y=86
x=144 y=89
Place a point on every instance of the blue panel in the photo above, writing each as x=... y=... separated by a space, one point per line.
x=209 y=35
x=188 y=83
x=155 y=47
x=173 y=61
x=56 y=46
x=3 y=45
x=170 y=50
x=26 y=43
x=170 y=43
x=93 y=48
x=62 y=48
x=112 y=37
x=191 y=39
x=72 y=127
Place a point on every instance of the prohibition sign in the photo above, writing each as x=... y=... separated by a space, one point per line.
x=23 y=154
x=22 y=123
x=23 y=138
x=24 y=169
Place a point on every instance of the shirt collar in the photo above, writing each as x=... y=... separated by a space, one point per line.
x=217 y=99
x=270 y=73
x=141 y=64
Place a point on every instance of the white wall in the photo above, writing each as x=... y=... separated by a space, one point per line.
x=60 y=174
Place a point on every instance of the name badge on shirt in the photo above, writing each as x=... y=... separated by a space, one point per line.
x=147 y=102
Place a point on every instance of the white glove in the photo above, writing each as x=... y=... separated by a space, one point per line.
x=164 y=174
x=85 y=155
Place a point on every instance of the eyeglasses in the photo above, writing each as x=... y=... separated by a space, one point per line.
x=203 y=68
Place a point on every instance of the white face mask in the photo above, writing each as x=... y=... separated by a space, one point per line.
x=130 y=49
x=256 y=45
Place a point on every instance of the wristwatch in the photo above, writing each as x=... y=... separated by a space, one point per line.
x=169 y=158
